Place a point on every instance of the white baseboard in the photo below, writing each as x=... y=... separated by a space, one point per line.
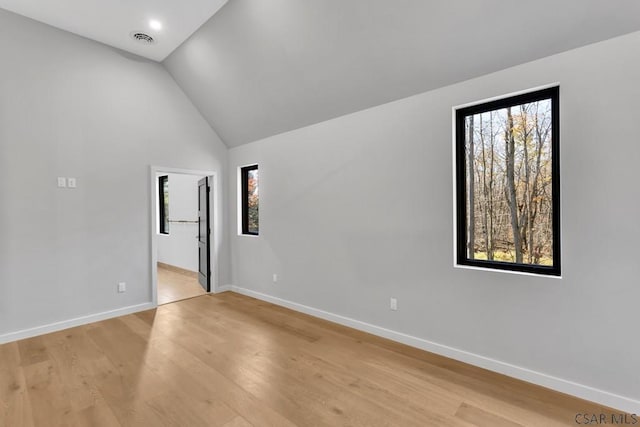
x=224 y=288
x=558 y=384
x=78 y=321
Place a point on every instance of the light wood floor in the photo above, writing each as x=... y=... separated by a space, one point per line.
x=175 y=284
x=229 y=360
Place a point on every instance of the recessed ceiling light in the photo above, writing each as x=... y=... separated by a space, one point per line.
x=155 y=25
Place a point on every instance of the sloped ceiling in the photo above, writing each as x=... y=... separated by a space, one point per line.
x=259 y=68
x=112 y=21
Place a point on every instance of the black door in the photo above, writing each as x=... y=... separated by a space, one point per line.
x=204 y=235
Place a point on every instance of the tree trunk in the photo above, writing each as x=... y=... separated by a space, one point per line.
x=472 y=197
x=485 y=195
x=527 y=223
x=492 y=208
x=511 y=185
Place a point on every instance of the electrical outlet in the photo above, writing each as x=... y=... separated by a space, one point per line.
x=122 y=287
x=71 y=183
x=393 y=304
x=275 y=278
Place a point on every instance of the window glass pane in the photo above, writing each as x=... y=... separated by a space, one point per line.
x=253 y=201
x=163 y=204
x=509 y=203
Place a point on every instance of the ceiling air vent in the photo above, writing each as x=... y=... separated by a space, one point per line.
x=143 y=38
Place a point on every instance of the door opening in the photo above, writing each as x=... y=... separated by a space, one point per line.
x=182 y=234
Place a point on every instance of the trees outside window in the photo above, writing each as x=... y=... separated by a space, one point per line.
x=163 y=185
x=250 y=200
x=508 y=183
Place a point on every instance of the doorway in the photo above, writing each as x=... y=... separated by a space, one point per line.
x=182 y=236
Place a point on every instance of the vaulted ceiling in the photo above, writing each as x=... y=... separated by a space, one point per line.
x=263 y=67
x=257 y=68
x=169 y=22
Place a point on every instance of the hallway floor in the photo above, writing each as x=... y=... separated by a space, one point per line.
x=175 y=284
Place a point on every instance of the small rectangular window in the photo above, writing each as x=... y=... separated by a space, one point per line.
x=250 y=200
x=508 y=183
x=163 y=203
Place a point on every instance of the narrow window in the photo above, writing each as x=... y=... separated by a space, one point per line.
x=250 y=200
x=508 y=184
x=163 y=203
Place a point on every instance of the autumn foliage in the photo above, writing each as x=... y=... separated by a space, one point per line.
x=508 y=184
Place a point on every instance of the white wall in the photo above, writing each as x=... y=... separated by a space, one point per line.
x=180 y=247
x=73 y=107
x=358 y=209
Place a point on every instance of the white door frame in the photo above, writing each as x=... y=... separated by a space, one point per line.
x=215 y=201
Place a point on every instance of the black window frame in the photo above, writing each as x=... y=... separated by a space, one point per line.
x=551 y=93
x=244 y=177
x=164 y=221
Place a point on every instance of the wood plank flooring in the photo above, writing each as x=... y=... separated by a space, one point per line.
x=176 y=284
x=229 y=360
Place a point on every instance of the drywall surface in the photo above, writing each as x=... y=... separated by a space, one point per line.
x=180 y=247
x=260 y=68
x=70 y=107
x=359 y=209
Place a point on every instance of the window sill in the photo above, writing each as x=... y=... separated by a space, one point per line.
x=248 y=235
x=496 y=270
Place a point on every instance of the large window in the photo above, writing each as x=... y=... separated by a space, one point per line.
x=508 y=183
x=163 y=203
x=250 y=200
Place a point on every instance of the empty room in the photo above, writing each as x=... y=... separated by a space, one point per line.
x=319 y=213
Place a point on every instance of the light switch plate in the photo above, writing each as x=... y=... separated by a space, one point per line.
x=62 y=182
